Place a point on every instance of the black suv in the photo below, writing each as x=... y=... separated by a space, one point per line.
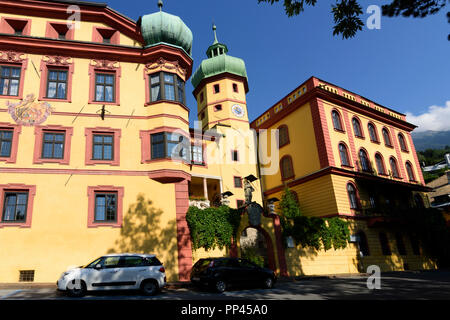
x=220 y=273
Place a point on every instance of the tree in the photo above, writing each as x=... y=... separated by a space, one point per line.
x=347 y=13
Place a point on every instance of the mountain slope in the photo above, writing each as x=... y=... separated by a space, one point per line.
x=431 y=140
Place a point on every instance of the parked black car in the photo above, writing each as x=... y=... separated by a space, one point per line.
x=221 y=273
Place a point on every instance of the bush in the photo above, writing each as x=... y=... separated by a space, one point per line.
x=251 y=254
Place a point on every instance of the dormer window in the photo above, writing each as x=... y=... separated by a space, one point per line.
x=59 y=31
x=106 y=36
x=18 y=27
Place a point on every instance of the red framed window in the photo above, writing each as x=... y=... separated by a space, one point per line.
x=394 y=167
x=52 y=144
x=105 y=36
x=357 y=129
x=337 y=122
x=364 y=161
x=410 y=171
x=373 y=133
x=104 y=84
x=343 y=153
x=105 y=206
x=9 y=142
x=402 y=142
x=102 y=146
x=16 y=205
x=19 y=27
x=353 y=196
x=283 y=136
x=237 y=182
x=380 y=164
x=60 y=31
x=387 y=137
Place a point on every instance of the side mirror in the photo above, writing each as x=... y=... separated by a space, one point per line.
x=98 y=266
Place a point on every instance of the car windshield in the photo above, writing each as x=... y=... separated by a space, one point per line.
x=93 y=263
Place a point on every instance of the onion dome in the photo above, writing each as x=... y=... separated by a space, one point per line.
x=218 y=62
x=164 y=28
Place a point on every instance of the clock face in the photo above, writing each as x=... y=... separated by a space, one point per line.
x=238 y=110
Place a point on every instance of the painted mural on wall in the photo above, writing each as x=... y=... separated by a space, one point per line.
x=28 y=112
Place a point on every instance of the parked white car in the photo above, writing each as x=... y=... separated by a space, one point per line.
x=115 y=272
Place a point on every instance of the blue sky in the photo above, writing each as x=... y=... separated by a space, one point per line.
x=404 y=66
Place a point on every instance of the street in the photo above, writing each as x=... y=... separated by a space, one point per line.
x=406 y=285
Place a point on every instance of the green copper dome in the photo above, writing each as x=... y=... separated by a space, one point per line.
x=218 y=62
x=165 y=28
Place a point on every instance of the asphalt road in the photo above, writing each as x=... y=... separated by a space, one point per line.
x=394 y=286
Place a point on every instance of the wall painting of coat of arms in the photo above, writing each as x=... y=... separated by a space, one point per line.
x=28 y=112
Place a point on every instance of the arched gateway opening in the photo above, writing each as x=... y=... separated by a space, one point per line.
x=257 y=241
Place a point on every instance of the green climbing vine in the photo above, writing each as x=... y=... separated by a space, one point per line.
x=313 y=232
x=213 y=227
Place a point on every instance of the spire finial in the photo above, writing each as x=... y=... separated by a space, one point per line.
x=160 y=5
x=215 y=33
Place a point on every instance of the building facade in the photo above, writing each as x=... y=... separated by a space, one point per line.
x=97 y=154
x=343 y=155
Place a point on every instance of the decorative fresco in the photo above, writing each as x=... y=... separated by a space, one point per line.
x=28 y=112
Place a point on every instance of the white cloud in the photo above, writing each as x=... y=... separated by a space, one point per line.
x=436 y=119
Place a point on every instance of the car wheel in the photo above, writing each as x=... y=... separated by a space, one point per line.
x=220 y=286
x=149 y=287
x=268 y=283
x=75 y=292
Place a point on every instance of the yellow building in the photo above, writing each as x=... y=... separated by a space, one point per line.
x=97 y=154
x=343 y=155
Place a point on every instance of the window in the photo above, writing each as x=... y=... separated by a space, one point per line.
x=364 y=160
x=9 y=80
x=53 y=145
x=401 y=140
x=363 y=244
x=400 y=244
x=218 y=108
x=343 y=152
x=380 y=164
x=104 y=87
x=394 y=167
x=167 y=86
x=216 y=88
x=372 y=132
x=283 y=136
x=410 y=171
x=235 y=88
x=287 y=169
x=235 y=155
x=103 y=147
x=336 y=120
x=105 y=207
x=18 y=27
x=166 y=145
x=57 y=84
x=60 y=31
x=387 y=137
x=6 y=137
x=237 y=182
x=385 y=248
x=357 y=128
x=197 y=154
x=15 y=207
x=353 y=196
x=106 y=36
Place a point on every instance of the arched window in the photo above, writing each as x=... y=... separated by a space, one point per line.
x=372 y=132
x=385 y=248
x=357 y=128
x=380 y=164
x=387 y=137
x=402 y=141
x=337 y=123
x=353 y=196
x=364 y=160
x=394 y=167
x=410 y=171
x=283 y=138
x=287 y=170
x=363 y=244
x=343 y=152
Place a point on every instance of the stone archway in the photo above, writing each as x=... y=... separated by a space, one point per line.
x=260 y=240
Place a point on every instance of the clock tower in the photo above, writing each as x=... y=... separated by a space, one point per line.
x=220 y=88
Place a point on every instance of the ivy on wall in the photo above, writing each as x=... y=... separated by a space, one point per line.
x=213 y=227
x=313 y=232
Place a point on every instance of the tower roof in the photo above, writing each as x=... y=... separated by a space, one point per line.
x=218 y=62
x=164 y=28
